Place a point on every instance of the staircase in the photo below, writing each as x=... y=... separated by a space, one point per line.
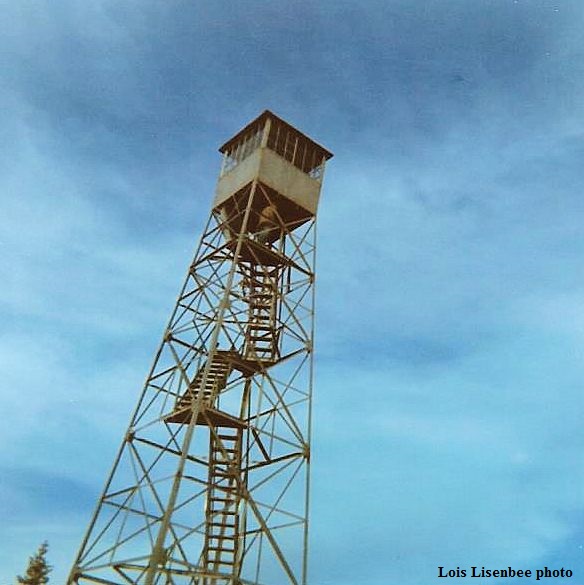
x=219 y=371
x=261 y=336
x=215 y=382
x=220 y=552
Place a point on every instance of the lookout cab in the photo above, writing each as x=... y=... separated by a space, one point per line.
x=287 y=169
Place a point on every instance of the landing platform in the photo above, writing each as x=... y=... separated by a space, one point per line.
x=256 y=253
x=246 y=366
x=207 y=417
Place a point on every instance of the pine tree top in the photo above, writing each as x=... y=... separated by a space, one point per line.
x=38 y=570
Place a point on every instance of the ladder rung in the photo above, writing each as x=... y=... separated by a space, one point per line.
x=228 y=490
x=221 y=537
x=263 y=271
x=222 y=512
x=227 y=537
x=217 y=518
x=231 y=528
x=218 y=499
x=220 y=473
x=225 y=489
x=231 y=454
x=218 y=561
x=223 y=507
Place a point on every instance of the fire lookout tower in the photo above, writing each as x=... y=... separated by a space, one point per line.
x=210 y=485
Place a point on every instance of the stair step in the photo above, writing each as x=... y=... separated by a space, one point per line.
x=208 y=382
x=216 y=369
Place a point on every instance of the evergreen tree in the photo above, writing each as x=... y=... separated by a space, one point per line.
x=38 y=570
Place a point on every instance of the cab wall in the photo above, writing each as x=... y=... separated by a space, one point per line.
x=239 y=176
x=275 y=172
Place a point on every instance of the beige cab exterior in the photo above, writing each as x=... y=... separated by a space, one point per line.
x=280 y=158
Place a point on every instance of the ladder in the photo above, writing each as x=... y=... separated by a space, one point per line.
x=222 y=530
x=261 y=335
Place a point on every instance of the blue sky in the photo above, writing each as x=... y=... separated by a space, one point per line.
x=450 y=327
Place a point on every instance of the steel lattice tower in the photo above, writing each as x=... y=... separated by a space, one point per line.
x=211 y=483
